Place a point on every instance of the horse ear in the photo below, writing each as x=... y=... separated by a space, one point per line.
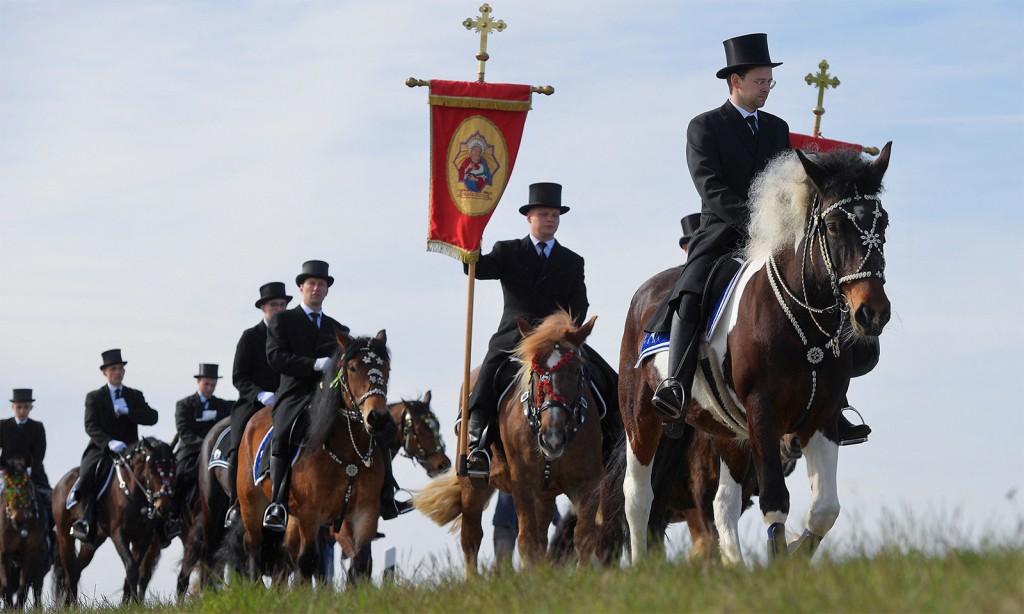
x=881 y=164
x=524 y=327
x=815 y=173
x=342 y=337
x=426 y=398
x=382 y=335
x=578 y=336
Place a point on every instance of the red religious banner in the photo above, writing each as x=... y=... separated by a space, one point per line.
x=475 y=130
x=813 y=144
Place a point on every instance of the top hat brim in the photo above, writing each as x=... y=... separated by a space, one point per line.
x=562 y=209
x=728 y=70
x=208 y=376
x=23 y=400
x=109 y=364
x=305 y=276
x=685 y=240
x=260 y=302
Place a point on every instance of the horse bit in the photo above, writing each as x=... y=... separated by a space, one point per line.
x=166 y=480
x=816 y=232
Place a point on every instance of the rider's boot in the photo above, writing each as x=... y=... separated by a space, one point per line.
x=389 y=507
x=673 y=394
x=82 y=529
x=479 y=463
x=233 y=513
x=276 y=516
x=849 y=433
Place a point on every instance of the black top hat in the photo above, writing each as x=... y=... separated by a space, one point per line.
x=270 y=291
x=689 y=224
x=314 y=268
x=545 y=195
x=745 y=51
x=112 y=357
x=206 y=370
x=22 y=395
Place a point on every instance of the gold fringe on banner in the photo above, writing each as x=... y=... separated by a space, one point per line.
x=452 y=251
x=464 y=102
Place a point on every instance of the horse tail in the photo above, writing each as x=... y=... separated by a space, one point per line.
x=441 y=499
x=232 y=549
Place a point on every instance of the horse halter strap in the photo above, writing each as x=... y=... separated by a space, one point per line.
x=351 y=412
x=545 y=385
x=869 y=237
x=410 y=439
x=166 y=477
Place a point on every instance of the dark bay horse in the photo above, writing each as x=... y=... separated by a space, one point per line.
x=138 y=500
x=780 y=359
x=550 y=444
x=338 y=475
x=25 y=556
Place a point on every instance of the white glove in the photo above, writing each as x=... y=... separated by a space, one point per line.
x=116 y=446
x=120 y=407
x=207 y=415
x=321 y=363
x=267 y=398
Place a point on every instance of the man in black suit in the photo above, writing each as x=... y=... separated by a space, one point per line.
x=255 y=380
x=538 y=276
x=194 y=416
x=112 y=418
x=25 y=438
x=725 y=149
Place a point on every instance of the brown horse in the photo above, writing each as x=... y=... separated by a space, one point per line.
x=337 y=477
x=24 y=553
x=550 y=444
x=781 y=356
x=138 y=500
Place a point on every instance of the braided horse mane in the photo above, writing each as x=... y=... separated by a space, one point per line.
x=782 y=194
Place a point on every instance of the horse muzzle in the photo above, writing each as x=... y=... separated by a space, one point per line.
x=436 y=464
x=551 y=437
x=378 y=421
x=870 y=309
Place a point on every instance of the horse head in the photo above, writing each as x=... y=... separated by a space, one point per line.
x=420 y=434
x=554 y=378
x=153 y=466
x=849 y=224
x=19 y=493
x=363 y=366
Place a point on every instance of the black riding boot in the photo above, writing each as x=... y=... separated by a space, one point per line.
x=673 y=394
x=84 y=528
x=389 y=508
x=849 y=433
x=233 y=513
x=479 y=462
x=276 y=516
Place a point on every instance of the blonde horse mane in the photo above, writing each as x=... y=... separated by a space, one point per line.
x=779 y=199
x=554 y=328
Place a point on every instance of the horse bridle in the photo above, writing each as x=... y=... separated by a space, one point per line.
x=545 y=382
x=123 y=461
x=408 y=421
x=350 y=404
x=24 y=496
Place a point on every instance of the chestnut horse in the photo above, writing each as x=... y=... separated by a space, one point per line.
x=550 y=444
x=338 y=475
x=137 y=501
x=780 y=358
x=24 y=553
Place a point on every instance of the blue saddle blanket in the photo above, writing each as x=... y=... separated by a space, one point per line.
x=261 y=466
x=221 y=449
x=72 y=499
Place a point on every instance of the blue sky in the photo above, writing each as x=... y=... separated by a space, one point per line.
x=159 y=161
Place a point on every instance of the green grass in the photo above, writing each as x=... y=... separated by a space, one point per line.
x=990 y=579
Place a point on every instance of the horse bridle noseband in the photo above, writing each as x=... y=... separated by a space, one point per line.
x=545 y=382
x=350 y=404
x=166 y=478
x=408 y=422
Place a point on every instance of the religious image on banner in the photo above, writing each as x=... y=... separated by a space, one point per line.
x=474 y=165
x=475 y=131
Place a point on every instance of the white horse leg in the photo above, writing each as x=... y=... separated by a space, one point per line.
x=728 y=506
x=822 y=458
x=639 y=494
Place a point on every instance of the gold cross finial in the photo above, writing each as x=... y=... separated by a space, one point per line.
x=823 y=81
x=484 y=25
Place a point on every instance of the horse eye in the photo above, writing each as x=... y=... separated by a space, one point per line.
x=352 y=369
x=832 y=227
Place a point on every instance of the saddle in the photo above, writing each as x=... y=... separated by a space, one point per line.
x=221 y=451
x=72 y=499
x=261 y=465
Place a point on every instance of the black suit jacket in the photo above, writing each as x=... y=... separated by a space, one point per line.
x=293 y=345
x=252 y=374
x=102 y=425
x=533 y=287
x=191 y=430
x=27 y=442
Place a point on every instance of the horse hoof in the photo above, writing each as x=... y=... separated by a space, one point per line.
x=777 y=541
x=805 y=545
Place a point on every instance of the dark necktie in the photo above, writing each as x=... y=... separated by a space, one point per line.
x=752 y=122
x=541 y=250
x=117 y=393
x=315 y=317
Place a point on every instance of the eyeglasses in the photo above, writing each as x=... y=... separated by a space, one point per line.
x=763 y=82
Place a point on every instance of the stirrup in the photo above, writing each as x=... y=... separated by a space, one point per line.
x=274 y=524
x=667 y=407
x=479 y=473
x=80 y=530
x=859 y=432
x=231 y=517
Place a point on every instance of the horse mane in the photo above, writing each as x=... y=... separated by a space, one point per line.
x=542 y=339
x=782 y=195
x=323 y=407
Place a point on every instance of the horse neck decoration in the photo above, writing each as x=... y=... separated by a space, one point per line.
x=419 y=435
x=779 y=361
x=553 y=380
x=21 y=505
